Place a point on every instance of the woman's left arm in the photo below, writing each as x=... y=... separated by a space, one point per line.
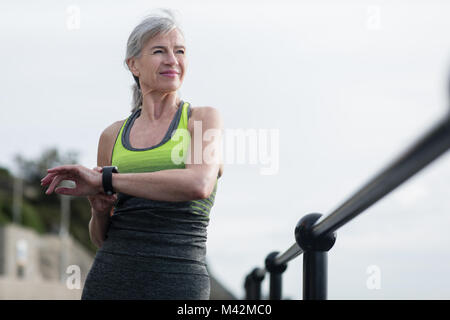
x=196 y=181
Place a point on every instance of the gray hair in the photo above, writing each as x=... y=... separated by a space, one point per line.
x=151 y=26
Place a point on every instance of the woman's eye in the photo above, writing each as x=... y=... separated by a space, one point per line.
x=160 y=51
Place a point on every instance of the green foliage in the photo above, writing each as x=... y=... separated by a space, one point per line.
x=42 y=212
x=5 y=180
x=34 y=170
x=4 y=173
x=4 y=218
x=5 y=207
x=31 y=218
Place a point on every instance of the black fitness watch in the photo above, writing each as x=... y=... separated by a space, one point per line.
x=107 y=179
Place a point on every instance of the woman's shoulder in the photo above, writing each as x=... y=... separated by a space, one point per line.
x=106 y=142
x=202 y=113
x=109 y=134
x=113 y=129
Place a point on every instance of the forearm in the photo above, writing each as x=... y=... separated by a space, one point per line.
x=164 y=185
x=98 y=227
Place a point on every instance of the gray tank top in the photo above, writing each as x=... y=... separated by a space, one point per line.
x=167 y=236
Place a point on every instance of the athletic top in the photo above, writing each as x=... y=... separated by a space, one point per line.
x=158 y=157
x=171 y=235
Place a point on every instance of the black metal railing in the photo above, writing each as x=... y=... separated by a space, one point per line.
x=315 y=235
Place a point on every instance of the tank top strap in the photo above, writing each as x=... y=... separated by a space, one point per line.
x=158 y=157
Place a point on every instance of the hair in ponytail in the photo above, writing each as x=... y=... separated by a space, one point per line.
x=137 y=94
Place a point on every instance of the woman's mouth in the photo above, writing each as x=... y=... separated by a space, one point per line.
x=170 y=74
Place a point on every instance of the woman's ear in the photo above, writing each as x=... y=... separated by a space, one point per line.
x=131 y=62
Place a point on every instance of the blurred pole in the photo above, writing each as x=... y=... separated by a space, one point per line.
x=64 y=234
x=65 y=216
x=17 y=200
x=64 y=230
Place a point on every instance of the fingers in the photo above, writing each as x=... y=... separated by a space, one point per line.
x=102 y=202
x=101 y=196
x=76 y=173
x=66 y=191
x=48 y=178
x=105 y=197
x=54 y=183
x=65 y=168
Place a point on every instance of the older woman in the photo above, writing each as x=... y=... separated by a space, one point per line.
x=150 y=216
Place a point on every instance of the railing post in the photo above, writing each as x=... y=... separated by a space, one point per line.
x=253 y=284
x=275 y=276
x=315 y=275
x=314 y=257
x=248 y=285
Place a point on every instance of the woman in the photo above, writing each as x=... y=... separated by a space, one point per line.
x=153 y=245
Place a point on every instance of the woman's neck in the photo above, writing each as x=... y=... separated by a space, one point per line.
x=159 y=106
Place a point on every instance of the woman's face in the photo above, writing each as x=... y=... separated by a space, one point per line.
x=162 y=63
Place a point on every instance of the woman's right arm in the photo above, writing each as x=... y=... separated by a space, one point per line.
x=98 y=227
x=100 y=211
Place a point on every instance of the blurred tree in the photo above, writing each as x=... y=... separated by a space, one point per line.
x=5 y=208
x=5 y=196
x=33 y=171
x=5 y=179
x=31 y=218
x=42 y=212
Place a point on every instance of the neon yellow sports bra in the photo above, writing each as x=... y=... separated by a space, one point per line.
x=170 y=153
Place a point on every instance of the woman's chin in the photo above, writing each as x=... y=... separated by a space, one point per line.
x=169 y=89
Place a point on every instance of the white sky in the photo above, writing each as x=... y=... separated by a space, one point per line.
x=348 y=85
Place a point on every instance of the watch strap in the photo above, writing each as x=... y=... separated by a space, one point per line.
x=107 y=172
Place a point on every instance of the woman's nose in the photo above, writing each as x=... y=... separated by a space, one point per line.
x=171 y=58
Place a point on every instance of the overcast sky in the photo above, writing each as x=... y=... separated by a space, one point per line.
x=348 y=85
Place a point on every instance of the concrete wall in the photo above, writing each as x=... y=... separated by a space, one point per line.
x=34 y=266
x=47 y=267
x=16 y=289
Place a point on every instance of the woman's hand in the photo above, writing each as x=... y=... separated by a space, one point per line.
x=88 y=182
x=102 y=203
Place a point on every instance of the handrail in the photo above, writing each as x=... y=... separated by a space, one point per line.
x=260 y=272
x=424 y=151
x=293 y=252
x=419 y=155
x=312 y=228
x=290 y=254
